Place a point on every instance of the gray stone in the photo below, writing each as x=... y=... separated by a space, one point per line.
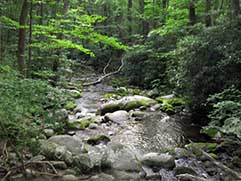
x=122 y=158
x=93 y=126
x=183 y=170
x=189 y=177
x=126 y=103
x=48 y=132
x=117 y=117
x=158 y=160
x=72 y=144
x=83 y=162
x=69 y=178
x=102 y=177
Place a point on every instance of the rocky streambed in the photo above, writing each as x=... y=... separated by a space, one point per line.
x=126 y=139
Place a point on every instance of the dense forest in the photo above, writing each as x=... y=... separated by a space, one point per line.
x=106 y=90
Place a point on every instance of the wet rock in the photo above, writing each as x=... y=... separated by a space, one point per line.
x=117 y=117
x=137 y=115
x=69 y=178
x=158 y=160
x=149 y=174
x=95 y=140
x=83 y=163
x=48 y=132
x=126 y=103
x=80 y=123
x=48 y=148
x=72 y=144
x=102 y=177
x=122 y=158
x=75 y=94
x=189 y=177
x=181 y=153
x=184 y=170
x=93 y=126
x=61 y=153
x=124 y=176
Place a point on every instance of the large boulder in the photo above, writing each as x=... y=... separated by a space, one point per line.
x=158 y=160
x=72 y=144
x=126 y=103
x=117 y=117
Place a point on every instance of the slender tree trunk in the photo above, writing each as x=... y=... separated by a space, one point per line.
x=65 y=11
x=130 y=17
x=144 y=23
x=235 y=5
x=30 y=36
x=208 y=17
x=21 y=37
x=41 y=13
x=192 y=13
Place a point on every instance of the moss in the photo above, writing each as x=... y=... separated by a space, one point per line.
x=135 y=104
x=75 y=94
x=171 y=104
x=208 y=147
x=70 y=105
x=98 y=139
x=82 y=124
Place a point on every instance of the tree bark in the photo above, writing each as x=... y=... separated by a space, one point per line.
x=208 y=17
x=192 y=13
x=235 y=5
x=65 y=11
x=130 y=16
x=21 y=37
x=144 y=23
x=30 y=35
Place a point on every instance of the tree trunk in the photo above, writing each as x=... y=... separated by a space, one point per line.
x=235 y=5
x=144 y=23
x=208 y=17
x=30 y=35
x=192 y=13
x=65 y=11
x=21 y=37
x=130 y=17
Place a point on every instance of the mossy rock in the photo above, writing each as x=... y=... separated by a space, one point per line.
x=75 y=94
x=70 y=105
x=95 y=140
x=81 y=124
x=198 y=147
x=171 y=104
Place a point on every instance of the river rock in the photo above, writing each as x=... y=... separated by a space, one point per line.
x=72 y=144
x=97 y=139
x=158 y=160
x=69 y=178
x=117 y=117
x=83 y=162
x=102 y=177
x=48 y=132
x=123 y=158
x=93 y=126
x=189 y=177
x=126 y=103
x=184 y=170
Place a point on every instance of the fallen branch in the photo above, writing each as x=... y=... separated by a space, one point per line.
x=106 y=75
x=232 y=172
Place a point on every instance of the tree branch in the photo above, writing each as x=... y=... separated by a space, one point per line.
x=106 y=75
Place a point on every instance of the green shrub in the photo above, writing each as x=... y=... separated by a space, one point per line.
x=207 y=63
x=225 y=114
x=26 y=106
